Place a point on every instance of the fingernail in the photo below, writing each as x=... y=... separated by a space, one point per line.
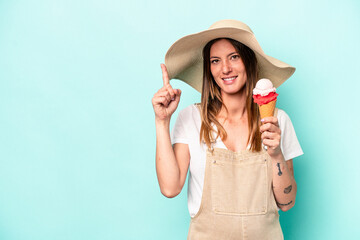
x=262 y=120
x=172 y=99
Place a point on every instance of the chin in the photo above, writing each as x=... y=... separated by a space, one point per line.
x=232 y=91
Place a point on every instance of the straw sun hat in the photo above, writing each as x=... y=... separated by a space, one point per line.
x=184 y=58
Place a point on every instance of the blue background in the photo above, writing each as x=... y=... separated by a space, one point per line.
x=77 y=138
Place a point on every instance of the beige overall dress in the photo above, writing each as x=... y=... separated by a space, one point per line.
x=237 y=201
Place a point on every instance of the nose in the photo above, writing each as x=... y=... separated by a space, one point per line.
x=226 y=67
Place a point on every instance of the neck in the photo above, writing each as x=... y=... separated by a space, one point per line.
x=235 y=104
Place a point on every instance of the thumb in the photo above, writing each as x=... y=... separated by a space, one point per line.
x=175 y=101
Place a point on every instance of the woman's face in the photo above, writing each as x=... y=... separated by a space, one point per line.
x=226 y=67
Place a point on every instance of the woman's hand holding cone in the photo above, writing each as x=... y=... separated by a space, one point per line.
x=166 y=100
x=271 y=135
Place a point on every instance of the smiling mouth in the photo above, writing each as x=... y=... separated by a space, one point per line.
x=229 y=79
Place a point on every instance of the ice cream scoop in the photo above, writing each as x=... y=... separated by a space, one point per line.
x=263 y=87
x=265 y=96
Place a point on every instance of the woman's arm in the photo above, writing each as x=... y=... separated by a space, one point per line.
x=284 y=184
x=171 y=164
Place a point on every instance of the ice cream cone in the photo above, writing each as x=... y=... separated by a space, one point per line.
x=267 y=110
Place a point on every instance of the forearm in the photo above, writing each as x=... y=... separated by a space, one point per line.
x=284 y=185
x=167 y=168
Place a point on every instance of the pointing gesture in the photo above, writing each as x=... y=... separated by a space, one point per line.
x=165 y=74
x=166 y=100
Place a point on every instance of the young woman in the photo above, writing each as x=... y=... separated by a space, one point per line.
x=235 y=186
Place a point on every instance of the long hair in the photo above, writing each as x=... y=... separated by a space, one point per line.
x=211 y=100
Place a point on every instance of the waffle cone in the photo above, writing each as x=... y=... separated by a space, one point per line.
x=267 y=110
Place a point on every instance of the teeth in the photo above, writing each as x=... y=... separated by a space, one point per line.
x=229 y=79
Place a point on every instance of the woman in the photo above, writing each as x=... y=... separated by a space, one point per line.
x=235 y=186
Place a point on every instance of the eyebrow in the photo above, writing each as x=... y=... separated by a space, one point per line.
x=227 y=55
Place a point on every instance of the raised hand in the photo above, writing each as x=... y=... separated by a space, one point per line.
x=166 y=100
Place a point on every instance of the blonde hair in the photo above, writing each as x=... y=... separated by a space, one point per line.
x=211 y=101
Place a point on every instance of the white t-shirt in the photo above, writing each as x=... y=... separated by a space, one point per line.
x=187 y=130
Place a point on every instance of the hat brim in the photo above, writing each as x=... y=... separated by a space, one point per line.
x=184 y=59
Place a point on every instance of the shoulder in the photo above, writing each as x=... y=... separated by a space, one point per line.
x=187 y=110
x=283 y=118
x=191 y=112
x=187 y=125
x=289 y=143
x=282 y=114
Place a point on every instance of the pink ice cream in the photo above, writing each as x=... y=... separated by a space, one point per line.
x=264 y=92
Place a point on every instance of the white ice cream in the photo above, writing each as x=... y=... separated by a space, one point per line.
x=264 y=87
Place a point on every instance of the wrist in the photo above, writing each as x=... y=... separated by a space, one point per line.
x=277 y=157
x=162 y=122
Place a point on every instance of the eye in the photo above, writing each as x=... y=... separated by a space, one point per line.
x=214 y=61
x=235 y=56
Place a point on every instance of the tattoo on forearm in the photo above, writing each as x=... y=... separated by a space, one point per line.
x=288 y=189
x=279 y=173
x=281 y=204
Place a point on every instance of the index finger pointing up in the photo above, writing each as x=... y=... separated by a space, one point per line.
x=164 y=74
